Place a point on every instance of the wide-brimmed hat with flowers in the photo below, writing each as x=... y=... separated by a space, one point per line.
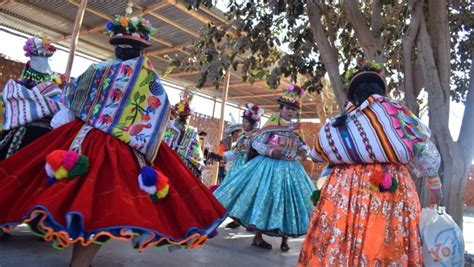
x=253 y=113
x=365 y=71
x=125 y=29
x=292 y=96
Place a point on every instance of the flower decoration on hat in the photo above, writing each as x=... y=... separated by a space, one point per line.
x=253 y=112
x=155 y=183
x=183 y=106
x=363 y=65
x=125 y=28
x=365 y=71
x=38 y=47
x=292 y=96
x=61 y=164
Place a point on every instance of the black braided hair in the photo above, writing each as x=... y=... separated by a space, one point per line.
x=357 y=96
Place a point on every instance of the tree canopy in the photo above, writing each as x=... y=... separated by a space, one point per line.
x=424 y=45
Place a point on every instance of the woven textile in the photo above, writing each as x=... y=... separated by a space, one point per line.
x=124 y=99
x=21 y=105
x=380 y=130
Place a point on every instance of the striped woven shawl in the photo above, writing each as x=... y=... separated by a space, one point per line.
x=379 y=130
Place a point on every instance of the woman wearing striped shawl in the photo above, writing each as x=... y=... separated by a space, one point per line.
x=27 y=104
x=369 y=210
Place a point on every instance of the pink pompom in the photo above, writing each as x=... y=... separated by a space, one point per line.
x=387 y=181
x=70 y=159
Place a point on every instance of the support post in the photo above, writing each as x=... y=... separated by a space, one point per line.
x=220 y=130
x=75 y=38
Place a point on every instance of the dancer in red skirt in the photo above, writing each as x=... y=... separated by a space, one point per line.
x=91 y=179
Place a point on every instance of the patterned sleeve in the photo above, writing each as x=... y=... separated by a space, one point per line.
x=197 y=156
x=260 y=143
x=426 y=161
x=315 y=156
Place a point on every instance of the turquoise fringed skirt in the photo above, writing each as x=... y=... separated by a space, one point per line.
x=269 y=195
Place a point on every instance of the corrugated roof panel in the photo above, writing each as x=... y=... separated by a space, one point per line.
x=180 y=17
x=68 y=11
x=109 y=8
x=33 y=14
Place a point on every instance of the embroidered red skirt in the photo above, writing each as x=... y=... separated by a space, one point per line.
x=107 y=201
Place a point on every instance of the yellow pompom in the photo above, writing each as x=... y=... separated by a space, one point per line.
x=57 y=80
x=163 y=192
x=374 y=187
x=61 y=173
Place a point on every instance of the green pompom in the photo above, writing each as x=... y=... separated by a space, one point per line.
x=394 y=185
x=315 y=196
x=154 y=197
x=81 y=167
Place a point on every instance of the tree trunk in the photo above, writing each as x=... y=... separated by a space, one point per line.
x=416 y=9
x=328 y=53
x=455 y=164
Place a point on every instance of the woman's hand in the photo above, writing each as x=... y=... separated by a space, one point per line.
x=277 y=153
x=436 y=197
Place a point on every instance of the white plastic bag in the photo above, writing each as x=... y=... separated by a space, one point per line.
x=443 y=243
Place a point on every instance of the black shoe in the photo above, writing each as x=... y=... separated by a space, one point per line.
x=232 y=225
x=284 y=247
x=5 y=236
x=262 y=244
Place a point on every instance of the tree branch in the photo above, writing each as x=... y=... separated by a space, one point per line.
x=415 y=8
x=438 y=28
x=328 y=53
x=371 y=45
x=466 y=136
x=439 y=113
x=376 y=18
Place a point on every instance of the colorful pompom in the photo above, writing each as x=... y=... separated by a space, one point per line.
x=62 y=164
x=153 y=183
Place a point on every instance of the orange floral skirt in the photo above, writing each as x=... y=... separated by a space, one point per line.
x=354 y=225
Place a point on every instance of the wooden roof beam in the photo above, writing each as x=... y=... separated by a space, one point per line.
x=168 y=49
x=107 y=17
x=151 y=9
x=184 y=7
x=167 y=20
x=88 y=9
x=254 y=96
